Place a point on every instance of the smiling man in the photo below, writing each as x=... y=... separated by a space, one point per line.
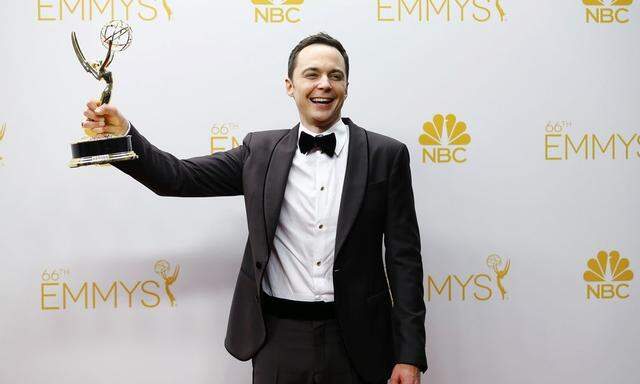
x=313 y=302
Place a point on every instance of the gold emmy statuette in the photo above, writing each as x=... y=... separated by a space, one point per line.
x=103 y=148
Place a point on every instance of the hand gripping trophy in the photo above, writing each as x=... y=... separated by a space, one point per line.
x=103 y=148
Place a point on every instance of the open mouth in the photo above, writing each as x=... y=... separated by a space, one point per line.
x=321 y=100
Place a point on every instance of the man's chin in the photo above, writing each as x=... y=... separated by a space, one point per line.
x=324 y=122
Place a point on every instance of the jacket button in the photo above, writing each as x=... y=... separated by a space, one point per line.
x=258 y=265
x=336 y=270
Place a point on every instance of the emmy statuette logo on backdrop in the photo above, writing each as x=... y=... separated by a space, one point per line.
x=3 y=130
x=494 y=262
x=103 y=148
x=162 y=268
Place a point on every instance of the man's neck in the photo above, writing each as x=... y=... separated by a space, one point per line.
x=319 y=129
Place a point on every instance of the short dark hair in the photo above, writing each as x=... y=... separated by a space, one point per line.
x=318 y=38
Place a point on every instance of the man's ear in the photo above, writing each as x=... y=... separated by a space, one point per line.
x=346 y=90
x=288 y=86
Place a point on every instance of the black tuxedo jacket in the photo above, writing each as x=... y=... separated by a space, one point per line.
x=381 y=324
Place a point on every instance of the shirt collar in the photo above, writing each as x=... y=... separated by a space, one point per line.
x=340 y=130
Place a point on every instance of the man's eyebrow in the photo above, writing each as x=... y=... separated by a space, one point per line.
x=337 y=70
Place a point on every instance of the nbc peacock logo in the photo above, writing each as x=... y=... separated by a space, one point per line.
x=608 y=276
x=607 y=12
x=276 y=11
x=444 y=140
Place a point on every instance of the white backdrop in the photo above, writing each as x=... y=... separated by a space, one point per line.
x=528 y=84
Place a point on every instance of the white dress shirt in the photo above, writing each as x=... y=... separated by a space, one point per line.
x=301 y=261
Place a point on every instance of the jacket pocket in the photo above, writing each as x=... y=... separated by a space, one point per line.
x=376 y=297
x=378 y=185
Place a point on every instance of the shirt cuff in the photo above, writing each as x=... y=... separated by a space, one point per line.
x=128 y=128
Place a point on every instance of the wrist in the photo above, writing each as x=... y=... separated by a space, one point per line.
x=126 y=127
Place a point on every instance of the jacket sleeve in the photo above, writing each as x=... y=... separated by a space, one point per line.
x=404 y=266
x=219 y=174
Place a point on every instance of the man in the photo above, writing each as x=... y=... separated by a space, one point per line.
x=311 y=302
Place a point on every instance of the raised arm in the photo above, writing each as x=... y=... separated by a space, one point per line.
x=219 y=174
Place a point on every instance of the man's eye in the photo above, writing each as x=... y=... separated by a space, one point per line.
x=337 y=77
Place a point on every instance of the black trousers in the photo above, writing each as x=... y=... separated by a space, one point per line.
x=303 y=352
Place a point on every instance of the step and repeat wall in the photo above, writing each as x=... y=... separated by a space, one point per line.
x=522 y=122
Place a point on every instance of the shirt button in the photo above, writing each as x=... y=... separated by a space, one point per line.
x=322 y=188
x=320 y=226
x=318 y=263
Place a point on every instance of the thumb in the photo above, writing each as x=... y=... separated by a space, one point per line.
x=111 y=115
x=106 y=110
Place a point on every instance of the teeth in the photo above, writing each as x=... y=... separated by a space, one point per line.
x=320 y=100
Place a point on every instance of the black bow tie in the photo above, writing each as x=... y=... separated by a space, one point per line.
x=326 y=144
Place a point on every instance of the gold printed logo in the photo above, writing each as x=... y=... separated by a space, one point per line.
x=441 y=149
x=607 y=12
x=560 y=144
x=88 y=10
x=3 y=129
x=58 y=292
x=607 y=276
x=275 y=12
x=167 y=9
x=477 y=11
x=162 y=268
x=494 y=262
x=473 y=287
x=224 y=136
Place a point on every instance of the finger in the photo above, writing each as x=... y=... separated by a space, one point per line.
x=89 y=114
x=106 y=110
x=93 y=104
x=92 y=124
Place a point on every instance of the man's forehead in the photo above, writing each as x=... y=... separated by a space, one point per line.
x=320 y=56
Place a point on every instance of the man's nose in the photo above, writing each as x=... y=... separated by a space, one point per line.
x=323 y=82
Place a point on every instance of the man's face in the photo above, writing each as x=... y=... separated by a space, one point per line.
x=319 y=85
